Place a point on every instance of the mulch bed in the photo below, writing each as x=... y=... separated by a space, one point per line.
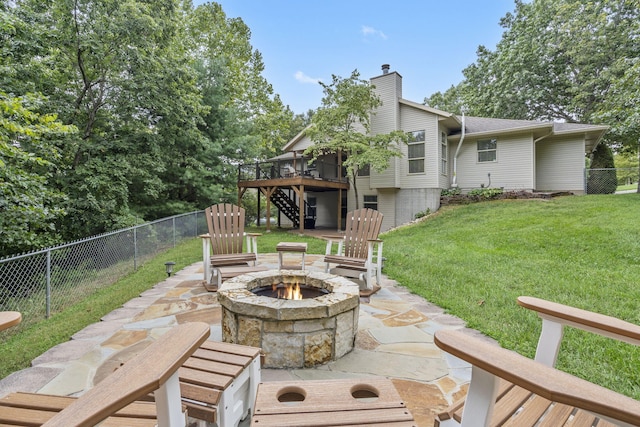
x=465 y=199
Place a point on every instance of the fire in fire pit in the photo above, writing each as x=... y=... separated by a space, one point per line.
x=318 y=328
x=293 y=291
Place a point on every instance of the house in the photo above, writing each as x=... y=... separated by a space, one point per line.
x=445 y=151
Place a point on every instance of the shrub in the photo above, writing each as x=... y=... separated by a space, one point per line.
x=422 y=214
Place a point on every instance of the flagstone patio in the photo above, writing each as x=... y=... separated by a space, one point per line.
x=394 y=339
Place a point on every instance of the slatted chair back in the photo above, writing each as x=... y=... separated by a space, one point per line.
x=362 y=225
x=226 y=228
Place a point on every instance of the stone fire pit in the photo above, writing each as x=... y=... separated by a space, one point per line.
x=291 y=333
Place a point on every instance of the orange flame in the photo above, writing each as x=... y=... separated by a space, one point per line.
x=288 y=291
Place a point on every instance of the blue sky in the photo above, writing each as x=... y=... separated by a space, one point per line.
x=428 y=42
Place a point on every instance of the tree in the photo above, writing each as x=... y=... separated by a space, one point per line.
x=602 y=175
x=622 y=111
x=451 y=100
x=626 y=168
x=342 y=125
x=29 y=206
x=555 y=61
x=168 y=99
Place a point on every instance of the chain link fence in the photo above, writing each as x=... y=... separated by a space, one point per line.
x=46 y=281
x=609 y=180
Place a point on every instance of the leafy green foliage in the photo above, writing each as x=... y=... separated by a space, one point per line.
x=422 y=214
x=167 y=99
x=29 y=205
x=451 y=192
x=486 y=193
x=602 y=176
x=566 y=60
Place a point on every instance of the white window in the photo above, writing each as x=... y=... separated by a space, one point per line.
x=443 y=153
x=487 y=149
x=371 y=202
x=416 y=151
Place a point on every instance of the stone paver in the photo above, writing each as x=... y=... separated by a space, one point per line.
x=394 y=339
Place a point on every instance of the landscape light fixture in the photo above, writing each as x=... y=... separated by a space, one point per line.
x=169 y=267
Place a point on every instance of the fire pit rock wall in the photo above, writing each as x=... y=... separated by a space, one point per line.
x=292 y=333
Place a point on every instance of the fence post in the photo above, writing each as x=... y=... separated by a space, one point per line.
x=173 y=222
x=48 y=290
x=586 y=177
x=135 y=248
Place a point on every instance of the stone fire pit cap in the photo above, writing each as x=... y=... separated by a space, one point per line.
x=235 y=295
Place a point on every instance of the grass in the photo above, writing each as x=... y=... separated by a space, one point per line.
x=627 y=187
x=473 y=261
x=17 y=350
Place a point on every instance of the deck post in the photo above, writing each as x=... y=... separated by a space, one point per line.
x=301 y=196
x=339 y=209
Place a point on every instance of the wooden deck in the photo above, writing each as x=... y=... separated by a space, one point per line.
x=299 y=184
x=309 y=183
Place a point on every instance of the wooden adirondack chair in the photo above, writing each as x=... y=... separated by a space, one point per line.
x=359 y=252
x=155 y=370
x=511 y=389
x=222 y=252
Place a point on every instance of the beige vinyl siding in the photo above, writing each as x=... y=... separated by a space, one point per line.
x=444 y=178
x=302 y=144
x=512 y=170
x=412 y=119
x=560 y=165
x=385 y=120
x=389 y=89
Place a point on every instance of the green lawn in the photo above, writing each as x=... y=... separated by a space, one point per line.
x=19 y=349
x=627 y=187
x=473 y=261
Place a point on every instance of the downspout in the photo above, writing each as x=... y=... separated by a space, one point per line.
x=454 y=184
x=535 y=141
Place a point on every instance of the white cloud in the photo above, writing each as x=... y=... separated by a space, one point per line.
x=370 y=31
x=303 y=78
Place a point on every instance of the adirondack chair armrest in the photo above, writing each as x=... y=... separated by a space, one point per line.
x=252 y=243
x=374 y=254
x=9 y=319
x=331 y=239
x=555 y=316
x=155 y=369
x=491 y=362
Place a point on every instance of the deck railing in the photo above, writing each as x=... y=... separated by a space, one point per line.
x=290 y=168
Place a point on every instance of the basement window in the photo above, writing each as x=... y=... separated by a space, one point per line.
x=371 y=202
